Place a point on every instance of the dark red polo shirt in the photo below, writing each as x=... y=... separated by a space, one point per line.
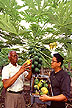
x=60 y=83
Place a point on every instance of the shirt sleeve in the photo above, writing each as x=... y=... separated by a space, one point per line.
x=25 y=74
x=65 y=86
x=5 y=73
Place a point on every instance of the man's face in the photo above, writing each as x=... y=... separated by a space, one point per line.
x=54 y=63
x=13 y=57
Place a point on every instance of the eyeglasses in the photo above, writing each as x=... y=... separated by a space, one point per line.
x=53 y=61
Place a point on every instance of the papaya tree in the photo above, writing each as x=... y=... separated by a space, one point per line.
x=38 y=13
x=68 y=57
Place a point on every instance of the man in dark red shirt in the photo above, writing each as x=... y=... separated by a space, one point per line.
x=60 y=82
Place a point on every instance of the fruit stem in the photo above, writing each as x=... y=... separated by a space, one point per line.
x=43 y=53
x=45 y=60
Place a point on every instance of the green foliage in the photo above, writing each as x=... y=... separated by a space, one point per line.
x=10 y=8
x=61 y=17
x=68 y=57
x=23 y=56
x=38 y=14
x=4 y=57
x=70 y=74
x=6 y=24
x=1 y=85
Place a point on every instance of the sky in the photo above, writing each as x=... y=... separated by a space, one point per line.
x=19 y=2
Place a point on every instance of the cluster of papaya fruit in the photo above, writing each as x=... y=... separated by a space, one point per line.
x=36 y=61
x=41 y=86
x=53 y=45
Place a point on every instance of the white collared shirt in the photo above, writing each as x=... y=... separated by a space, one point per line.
x=9 y=71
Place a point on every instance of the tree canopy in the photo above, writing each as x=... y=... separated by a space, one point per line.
x=39 y=14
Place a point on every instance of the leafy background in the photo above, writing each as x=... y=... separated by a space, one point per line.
x=39 y=14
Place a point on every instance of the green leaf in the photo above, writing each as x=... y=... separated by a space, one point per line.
x=6 y=24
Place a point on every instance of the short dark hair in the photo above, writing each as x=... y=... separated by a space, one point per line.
x=59 y=58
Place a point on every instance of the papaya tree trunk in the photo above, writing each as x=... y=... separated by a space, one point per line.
x=69 y=66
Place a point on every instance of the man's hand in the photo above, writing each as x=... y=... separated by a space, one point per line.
x=26 y=67
x=44 y=98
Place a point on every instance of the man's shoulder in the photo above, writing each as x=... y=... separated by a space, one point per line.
x=64 y=73
x=6 y=66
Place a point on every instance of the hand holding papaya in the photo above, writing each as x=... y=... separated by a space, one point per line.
x=26 y=66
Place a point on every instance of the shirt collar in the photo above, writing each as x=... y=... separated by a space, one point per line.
x=58 y=71
x=13 y=65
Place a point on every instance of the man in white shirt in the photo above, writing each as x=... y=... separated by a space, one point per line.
x=13 y=81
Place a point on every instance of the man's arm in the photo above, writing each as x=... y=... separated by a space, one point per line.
x=8 y=82
x=60 y=97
